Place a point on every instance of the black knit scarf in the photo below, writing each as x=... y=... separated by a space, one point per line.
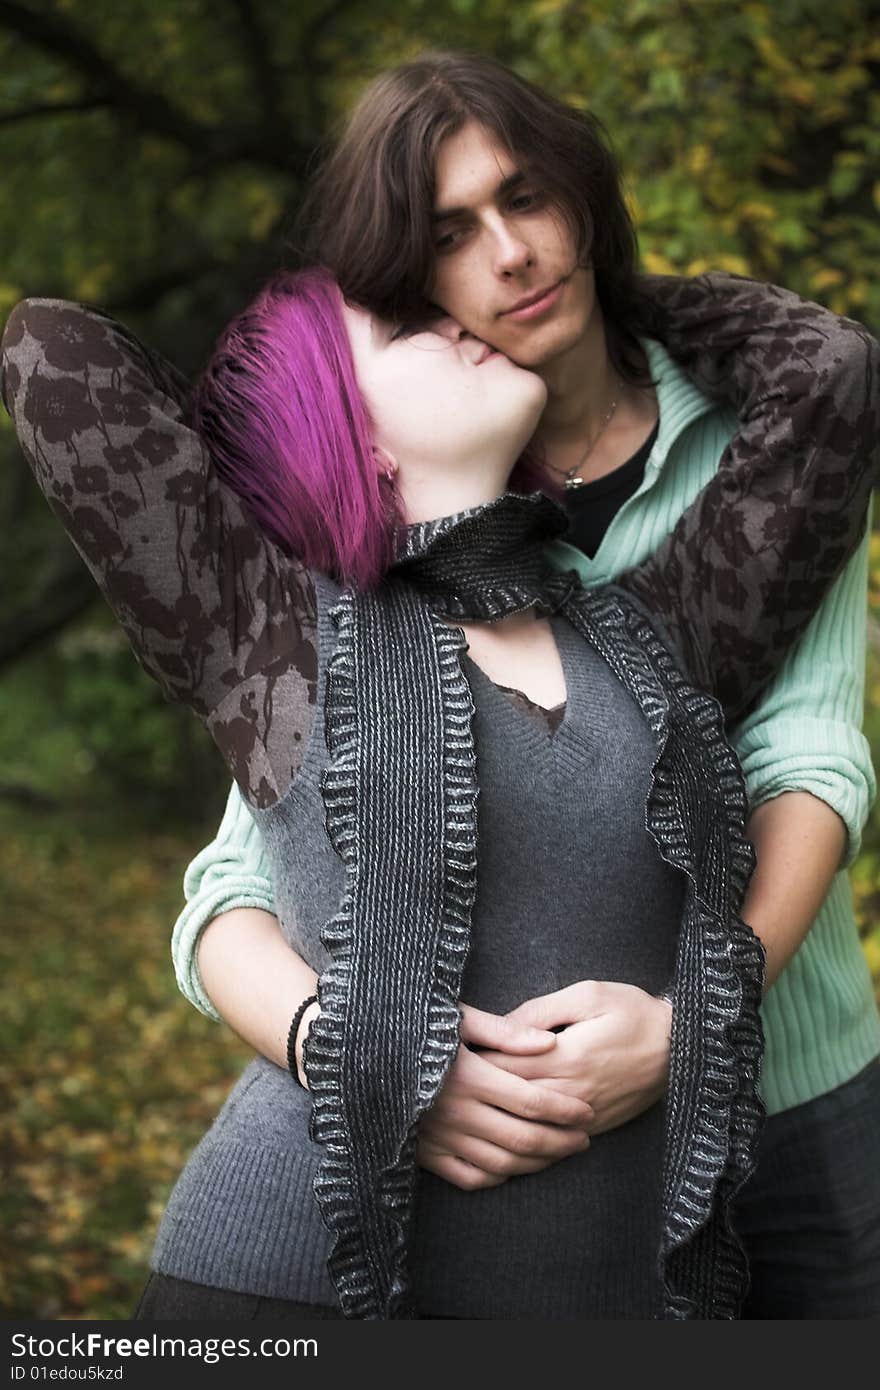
x=400 y=792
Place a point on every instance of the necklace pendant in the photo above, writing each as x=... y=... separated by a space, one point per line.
x=572 y=483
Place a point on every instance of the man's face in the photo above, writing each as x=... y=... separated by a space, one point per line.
x=506 y=261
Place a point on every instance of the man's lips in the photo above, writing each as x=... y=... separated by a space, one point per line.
x=533 y=305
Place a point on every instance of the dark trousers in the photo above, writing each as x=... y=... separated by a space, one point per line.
x=176 y=1298
x=809 y=1218
x=810 y=1215
x=169 y=1298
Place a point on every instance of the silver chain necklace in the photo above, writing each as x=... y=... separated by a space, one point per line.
x=571 y=480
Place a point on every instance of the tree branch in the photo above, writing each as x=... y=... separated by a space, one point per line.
x=314 y=30
x=150 y=110
x=64 y=108
x=142 y=295
x=35 y=798
x=312 y=67
x=63 y=597
x=267 y=78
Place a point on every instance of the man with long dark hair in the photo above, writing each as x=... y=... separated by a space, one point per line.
x=458 y=186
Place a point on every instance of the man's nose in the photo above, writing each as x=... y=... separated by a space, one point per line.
x=511 y=253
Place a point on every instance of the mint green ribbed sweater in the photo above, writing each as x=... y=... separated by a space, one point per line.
x=820 y=1018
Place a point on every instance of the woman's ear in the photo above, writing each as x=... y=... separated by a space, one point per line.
x=386 y=464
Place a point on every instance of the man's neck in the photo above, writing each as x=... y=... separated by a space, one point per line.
x=582 y=387
x=580 y=384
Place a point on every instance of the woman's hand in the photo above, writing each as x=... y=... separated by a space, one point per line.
x=613 y=1051
x=487 y=1124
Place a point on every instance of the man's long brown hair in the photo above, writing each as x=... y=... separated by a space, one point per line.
x=368 y=216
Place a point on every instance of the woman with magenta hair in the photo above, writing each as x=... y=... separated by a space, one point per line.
x=351 y=576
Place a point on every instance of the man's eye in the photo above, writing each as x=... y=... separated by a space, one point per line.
x=448 y=240
x=523 y=201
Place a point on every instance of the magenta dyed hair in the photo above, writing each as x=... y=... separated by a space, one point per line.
x=280 y=410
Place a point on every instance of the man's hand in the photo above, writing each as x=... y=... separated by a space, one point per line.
x=613 y=1052
x=487 y=1124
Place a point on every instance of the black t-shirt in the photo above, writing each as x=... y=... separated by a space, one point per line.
x=593 y=507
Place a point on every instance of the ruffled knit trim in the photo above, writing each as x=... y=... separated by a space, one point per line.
x=485 y=562
x=714 y=1111
x=370 y=1150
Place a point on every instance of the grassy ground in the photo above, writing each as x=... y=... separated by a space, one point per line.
x=109 y=1077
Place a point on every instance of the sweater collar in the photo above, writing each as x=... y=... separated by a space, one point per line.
x=487 y=561
x=680 y=401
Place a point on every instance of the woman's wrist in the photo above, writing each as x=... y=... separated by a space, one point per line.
x=299 y=1028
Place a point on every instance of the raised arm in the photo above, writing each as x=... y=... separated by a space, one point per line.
x=748 y=563
x=215 y=613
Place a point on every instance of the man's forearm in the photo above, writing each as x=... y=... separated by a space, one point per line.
x=799 y=842
x=254 y=979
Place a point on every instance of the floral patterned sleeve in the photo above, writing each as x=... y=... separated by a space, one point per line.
x=220 y=617
x=748 y=563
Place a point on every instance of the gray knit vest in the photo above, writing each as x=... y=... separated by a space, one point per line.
x=570 y=887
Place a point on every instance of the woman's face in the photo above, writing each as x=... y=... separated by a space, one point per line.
x=442 y=402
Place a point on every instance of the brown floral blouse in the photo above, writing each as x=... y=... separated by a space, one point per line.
x=225 y=621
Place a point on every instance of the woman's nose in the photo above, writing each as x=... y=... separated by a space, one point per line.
x=448 y=328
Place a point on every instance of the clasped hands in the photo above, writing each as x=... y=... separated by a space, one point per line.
x=530 y=1095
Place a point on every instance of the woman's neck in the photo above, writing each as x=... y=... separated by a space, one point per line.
x=430 y=494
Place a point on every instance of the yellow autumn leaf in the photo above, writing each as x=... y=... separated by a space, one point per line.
x=737 y=265
x=9 y=295
x=823 y=279
x=94 y=1283
x=776 y=60
x=872 y=954
x=655 y=264
x=699 y=158
x=92 y=284
x=799 y=89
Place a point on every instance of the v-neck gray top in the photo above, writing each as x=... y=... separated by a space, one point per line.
x=571 y=887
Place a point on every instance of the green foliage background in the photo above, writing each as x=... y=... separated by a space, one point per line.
x=153 y=154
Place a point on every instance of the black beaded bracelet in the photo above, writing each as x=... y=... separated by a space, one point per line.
x=291 y=1039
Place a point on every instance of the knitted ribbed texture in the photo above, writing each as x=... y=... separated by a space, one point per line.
x=846 y=1009
x=820 y=1018
x=208 y=1247
x=400 y=795
x=400 y=798
x=714 y=1112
